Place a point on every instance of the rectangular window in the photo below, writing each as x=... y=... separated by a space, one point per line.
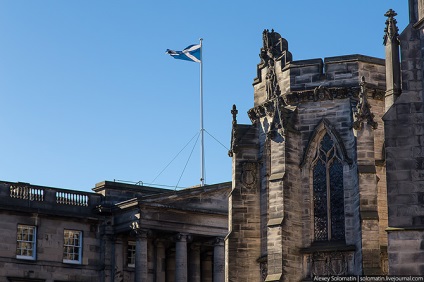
x=72 y=246
x=131 y=254
x=26 y=239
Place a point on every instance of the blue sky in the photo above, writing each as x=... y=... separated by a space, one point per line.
x=88 y=94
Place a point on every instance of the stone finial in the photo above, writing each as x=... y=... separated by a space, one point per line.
x=233 y=149
x=364 y=113
x=391 y=31
x=274 y=46
x=234 y=112
x=393 y=69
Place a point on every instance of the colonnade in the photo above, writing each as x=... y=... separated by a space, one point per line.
x=182 y=261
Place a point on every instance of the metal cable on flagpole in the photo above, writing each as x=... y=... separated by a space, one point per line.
x=202 y=145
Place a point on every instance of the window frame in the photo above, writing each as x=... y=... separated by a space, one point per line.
x=332 y=156
x=131 y=257
x=79 y=246
x=33 y=242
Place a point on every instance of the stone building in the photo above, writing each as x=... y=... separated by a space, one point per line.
x=327 y=179
x=122 y=232
x=404 y=132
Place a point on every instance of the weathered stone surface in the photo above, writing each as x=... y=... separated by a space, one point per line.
x=108 y=227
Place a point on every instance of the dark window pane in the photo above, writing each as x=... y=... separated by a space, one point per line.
x=320 y=202
x=337 y=201
x=326 y=143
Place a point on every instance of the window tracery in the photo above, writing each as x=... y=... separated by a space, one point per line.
x=328 y=194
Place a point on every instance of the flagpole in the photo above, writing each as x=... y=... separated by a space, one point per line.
x=202 y=145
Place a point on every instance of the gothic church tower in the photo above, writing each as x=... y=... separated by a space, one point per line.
x=309 y=188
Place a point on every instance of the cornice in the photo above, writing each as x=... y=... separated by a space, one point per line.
x=314 y=95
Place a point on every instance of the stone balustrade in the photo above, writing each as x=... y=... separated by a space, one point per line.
x=21 y=194
x=72 y=198
x=26 y=193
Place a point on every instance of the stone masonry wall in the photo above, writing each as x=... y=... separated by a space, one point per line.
x=243 y=244
x=339 y=116
x=292 y=224
x=404 y=123
x=318 y=96
x=48 y=263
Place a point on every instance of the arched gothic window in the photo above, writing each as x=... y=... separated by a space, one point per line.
x=328 y=195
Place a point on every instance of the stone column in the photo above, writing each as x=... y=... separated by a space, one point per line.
x=170 y=265
x=181 y=257
x=393 y=72
x=119 y=259
x=141 y=256
x=108 y=250
x=160 y=261
x=207 y=267
x=218 y=260
x=194 y=264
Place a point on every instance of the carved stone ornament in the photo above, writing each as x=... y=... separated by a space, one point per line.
x=322 y=93
x=270 y=134
x=272 y=87
x=218 y=241
x=329 y=263
x=269 y=108
x=252 y=115
x=391 y=31
x=260 y=111
x=233 y=148
x=364 y=113
x=135 y=225
x=248 y=175
x=274 y=48
x=384 y=262
x=183 y=237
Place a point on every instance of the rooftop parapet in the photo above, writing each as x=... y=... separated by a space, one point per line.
x=335 y=72
x=21 y=196
x=340 y=71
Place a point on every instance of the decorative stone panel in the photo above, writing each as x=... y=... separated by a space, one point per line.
x=328 y=263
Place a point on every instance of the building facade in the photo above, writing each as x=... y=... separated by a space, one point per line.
x=327 y=178
x=122 y=232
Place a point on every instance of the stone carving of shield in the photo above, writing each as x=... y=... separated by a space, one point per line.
x=338 y=264
x=248 y=176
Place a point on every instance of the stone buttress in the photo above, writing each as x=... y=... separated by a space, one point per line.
x=404 y=132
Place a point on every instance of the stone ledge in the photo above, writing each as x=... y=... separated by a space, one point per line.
x=354 y=57
x=419 y=24
x=275 y=222
x=369 y=215
x=404 y=229
x=330 y=246
x=276 y=176
x=273 y=277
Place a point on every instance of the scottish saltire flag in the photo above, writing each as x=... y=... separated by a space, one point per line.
x=191 y=53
